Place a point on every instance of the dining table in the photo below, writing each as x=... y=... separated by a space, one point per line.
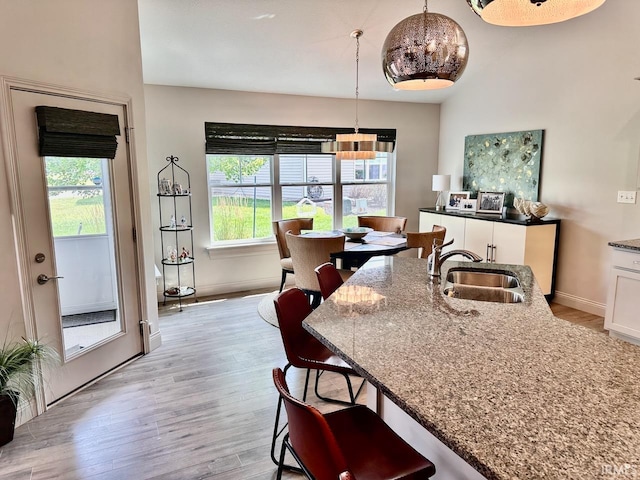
x=358 y=251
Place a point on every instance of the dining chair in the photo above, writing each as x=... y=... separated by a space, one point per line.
x=424 y=240
x=329 y=279
x=280 y=228
x=309 y=252
x=352 y=443
x=383 y=224
x=303 y=350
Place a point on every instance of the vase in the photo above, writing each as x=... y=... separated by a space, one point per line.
x=8 y=411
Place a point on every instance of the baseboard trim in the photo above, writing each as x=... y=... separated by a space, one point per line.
x=233 y=287
x=626 y=338
x=580 y=303
x=155 y=340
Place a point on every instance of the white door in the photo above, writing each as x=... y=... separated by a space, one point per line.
x=77 y=219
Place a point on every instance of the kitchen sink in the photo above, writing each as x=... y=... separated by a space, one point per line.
x=484 y=294
x=483 y=279
x=483 y=286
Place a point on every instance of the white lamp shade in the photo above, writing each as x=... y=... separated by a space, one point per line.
x=441 y=183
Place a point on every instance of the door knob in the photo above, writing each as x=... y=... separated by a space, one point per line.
x=42 y=278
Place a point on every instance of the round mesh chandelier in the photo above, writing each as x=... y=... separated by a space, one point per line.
x=521 y=13
x=426 y=51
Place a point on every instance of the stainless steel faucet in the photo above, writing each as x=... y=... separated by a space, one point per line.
x=434 y=262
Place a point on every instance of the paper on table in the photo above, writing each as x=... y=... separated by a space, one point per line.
x=378 y=234
x=391 y=241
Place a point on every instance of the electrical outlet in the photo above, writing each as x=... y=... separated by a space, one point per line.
x=625 y=196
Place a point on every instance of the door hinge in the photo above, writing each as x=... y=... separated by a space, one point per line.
x=127 y=133
x=135 y=235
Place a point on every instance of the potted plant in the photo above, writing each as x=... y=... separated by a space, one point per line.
x=20 y=367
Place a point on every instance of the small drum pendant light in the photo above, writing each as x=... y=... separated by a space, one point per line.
x=522 y=13
x=426 y=51
x=356 y=146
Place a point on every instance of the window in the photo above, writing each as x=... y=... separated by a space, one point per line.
x=366 y=188
x=249 y=189
x=76 y=196
x=239 y=197
x=307 y=188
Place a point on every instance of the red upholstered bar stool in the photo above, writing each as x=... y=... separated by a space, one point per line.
x=329 y=279
x=353 y=443
x=303 y=350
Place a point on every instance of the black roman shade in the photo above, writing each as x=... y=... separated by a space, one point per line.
x=243 y=139
x=76 y=133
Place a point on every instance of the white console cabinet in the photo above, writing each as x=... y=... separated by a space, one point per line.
x=622 y=315
x=502 y=240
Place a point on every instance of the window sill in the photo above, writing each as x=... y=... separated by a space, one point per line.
x=242 y=250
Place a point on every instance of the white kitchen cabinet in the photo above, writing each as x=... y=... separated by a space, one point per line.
x=454 y=226
x=502 y=241
x=623 y=299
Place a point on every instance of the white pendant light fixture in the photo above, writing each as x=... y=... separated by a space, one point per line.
x=522 y=13
x=356 y=146
x=426 y=51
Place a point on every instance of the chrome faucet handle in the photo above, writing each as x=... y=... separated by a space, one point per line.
x=442 y=245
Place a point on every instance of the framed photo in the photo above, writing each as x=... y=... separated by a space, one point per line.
x=490 y=202
x=469 y=206
x=454 y=200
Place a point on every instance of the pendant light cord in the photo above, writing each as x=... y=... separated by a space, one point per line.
x=357 y=34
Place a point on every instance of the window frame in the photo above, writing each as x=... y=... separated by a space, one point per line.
x=231 y=139
x=276 y=195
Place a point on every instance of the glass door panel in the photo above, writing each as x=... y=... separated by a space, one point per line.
x=81 y=214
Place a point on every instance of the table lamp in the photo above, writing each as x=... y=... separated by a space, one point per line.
x=440 y=183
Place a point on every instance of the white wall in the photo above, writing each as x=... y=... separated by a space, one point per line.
x=90 y=45
x=175 y=123
x=576 y=81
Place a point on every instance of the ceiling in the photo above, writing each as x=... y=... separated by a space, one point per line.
x=300 y=47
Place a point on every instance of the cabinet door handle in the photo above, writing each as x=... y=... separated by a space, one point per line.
x=493 y=254
x=488 y=255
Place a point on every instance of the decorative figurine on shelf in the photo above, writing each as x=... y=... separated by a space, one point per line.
x=183 y=222
x=184 y=255
x=172 y=222
x=177 y=189
x=172 y=254
x=165 y=187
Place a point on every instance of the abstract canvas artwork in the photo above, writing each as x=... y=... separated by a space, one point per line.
x=503 y=162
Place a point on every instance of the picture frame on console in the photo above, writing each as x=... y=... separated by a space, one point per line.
x=469 y=206
x=455 y=199
x=490 y=202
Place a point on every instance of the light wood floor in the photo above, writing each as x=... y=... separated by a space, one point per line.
x=201 y=406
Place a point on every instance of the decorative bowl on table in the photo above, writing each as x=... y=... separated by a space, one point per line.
x=356 y=233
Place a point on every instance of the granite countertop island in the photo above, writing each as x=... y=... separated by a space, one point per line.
x=633 y=245
x=512 y=390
